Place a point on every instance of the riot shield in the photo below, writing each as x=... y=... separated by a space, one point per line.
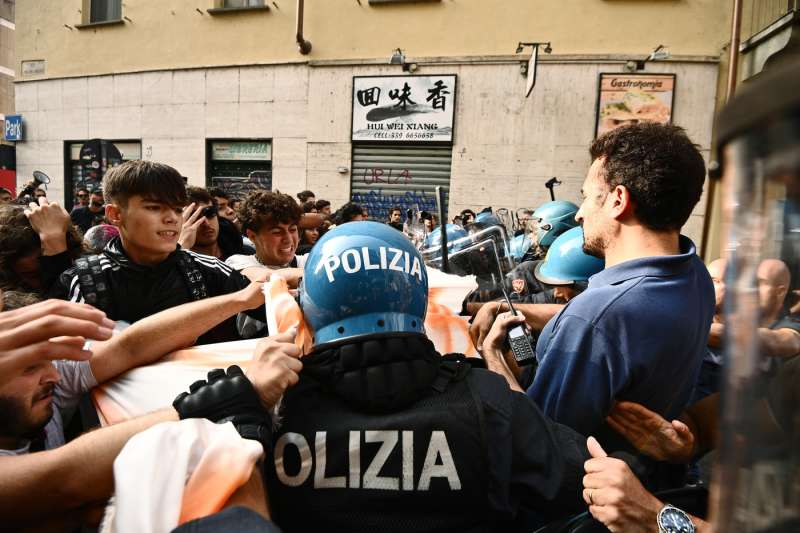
x=757 y=479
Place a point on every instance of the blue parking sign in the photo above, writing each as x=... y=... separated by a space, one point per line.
x=13 y=128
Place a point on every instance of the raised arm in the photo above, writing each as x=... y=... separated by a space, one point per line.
x=153 y=337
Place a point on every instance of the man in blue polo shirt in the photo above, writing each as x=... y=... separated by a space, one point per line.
x=639 y=331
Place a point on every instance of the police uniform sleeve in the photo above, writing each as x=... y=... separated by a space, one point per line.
x=547 y=462
x=535 y=466
x=580 y=372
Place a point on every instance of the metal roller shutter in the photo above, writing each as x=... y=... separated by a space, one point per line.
x=385 y=175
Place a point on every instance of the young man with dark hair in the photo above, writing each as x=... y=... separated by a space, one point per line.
x=639 y=331
x=224 y=203
x=92 y=214
x=82 y=196
x=349 y=212
x=205 y=232
x=5 y=196
x=309 y=207
x=396 y=218
x=306 y=196
x=323 y=206
x=271 y=221
x=144 y=271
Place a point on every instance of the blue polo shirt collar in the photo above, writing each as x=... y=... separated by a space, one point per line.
x=666 y=265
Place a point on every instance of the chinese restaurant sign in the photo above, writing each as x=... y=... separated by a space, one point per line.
x=632 y=98
x=404 y=108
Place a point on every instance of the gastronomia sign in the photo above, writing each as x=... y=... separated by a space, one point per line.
x=630 y=98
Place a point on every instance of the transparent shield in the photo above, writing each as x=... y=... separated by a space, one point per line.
x=484 y=254
x=506 y=218
x=757 y=479
x=414 y=227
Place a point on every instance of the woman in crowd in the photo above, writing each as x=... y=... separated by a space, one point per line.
x=308 y=238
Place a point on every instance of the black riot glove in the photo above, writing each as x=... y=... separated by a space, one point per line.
x=228 y=398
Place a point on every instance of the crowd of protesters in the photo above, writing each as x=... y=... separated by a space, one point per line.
x=619 y=407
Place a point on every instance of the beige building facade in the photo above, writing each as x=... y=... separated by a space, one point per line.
x=214 y=90
x=7 y=59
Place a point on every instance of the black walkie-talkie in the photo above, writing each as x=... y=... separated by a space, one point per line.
x=519 y=337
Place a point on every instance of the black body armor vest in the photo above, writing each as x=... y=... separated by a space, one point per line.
x=357 y=452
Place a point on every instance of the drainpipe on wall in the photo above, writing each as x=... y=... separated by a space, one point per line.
x=714 y=203
x=733 y=65
x=302 y=44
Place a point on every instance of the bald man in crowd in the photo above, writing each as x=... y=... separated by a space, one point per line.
x=779 y=332
x=708 y=382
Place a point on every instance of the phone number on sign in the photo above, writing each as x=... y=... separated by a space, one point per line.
x=399 y=135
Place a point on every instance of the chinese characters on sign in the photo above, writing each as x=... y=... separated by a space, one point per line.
x=632 y=98
x=404 y=108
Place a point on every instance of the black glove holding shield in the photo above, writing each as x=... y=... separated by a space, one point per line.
x=228 y=398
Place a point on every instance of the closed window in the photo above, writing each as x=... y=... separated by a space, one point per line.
x=105 y=10
x=243 y=3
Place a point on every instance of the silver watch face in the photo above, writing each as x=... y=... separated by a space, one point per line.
x=672 y=520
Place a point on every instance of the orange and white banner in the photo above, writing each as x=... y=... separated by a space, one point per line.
x=146 y=389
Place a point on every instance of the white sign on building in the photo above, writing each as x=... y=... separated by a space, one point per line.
x=404 y=108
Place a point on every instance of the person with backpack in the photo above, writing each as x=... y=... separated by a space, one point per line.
x=144 y=270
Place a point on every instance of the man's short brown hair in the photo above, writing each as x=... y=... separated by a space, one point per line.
x=199 y=195
x=659 y=165
x=267 y=208
x=156 y=182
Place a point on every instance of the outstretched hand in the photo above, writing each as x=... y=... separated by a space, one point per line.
x=47 y=331
x=651 y=434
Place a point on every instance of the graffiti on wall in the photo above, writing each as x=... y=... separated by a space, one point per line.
x=379 y=201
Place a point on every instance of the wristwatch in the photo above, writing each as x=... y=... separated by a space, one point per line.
x=673 y=520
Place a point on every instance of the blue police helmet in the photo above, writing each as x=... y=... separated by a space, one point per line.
x=363 y=278
x=554 y=218
x=485 y=219
x=566 y=262
x=454 y=233
x=519 y=246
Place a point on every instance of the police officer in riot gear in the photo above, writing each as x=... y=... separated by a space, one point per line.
x=548 y=221
x=382 y=433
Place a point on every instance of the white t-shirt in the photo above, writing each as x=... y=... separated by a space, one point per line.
x=76 y=379
x=240 y=262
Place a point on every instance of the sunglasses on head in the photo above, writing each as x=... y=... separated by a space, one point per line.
x=210 y=211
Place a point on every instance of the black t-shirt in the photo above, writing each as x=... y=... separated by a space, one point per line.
x=85 y=218
x=137 y=291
